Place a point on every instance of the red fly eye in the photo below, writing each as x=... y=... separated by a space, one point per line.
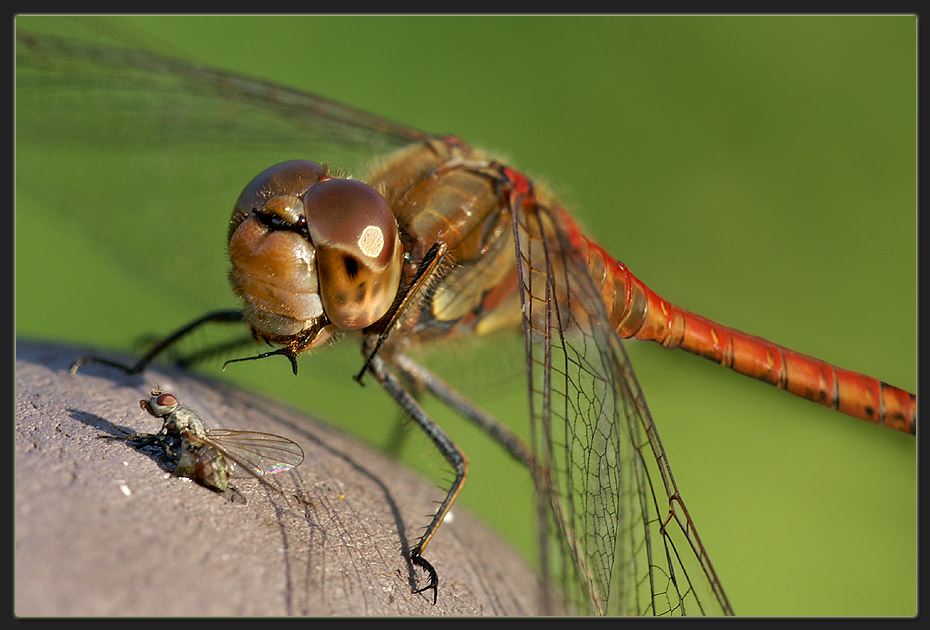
x=160 y=404
x=287 y=179
x=166 y=400
x=358 y=250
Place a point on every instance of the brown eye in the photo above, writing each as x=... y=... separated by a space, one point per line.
x=287 y=181
x=160 y=404
x=166 y=400
x=358 y=250
x=273 y=266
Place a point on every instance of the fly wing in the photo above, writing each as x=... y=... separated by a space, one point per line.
x=256 y=452
x=615 y=535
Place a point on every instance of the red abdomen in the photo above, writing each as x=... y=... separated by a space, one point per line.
x=636 y=311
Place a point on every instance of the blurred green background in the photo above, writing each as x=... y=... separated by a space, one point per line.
x=757 y=170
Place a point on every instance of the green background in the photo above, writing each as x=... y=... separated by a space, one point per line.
x=760 y=171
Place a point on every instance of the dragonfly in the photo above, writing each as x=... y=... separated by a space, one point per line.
x=211 y=455
x=550 y=289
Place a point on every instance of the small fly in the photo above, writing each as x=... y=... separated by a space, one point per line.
x=210 y=455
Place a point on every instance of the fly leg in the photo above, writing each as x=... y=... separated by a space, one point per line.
x=446 y=446
x=228 y=316
x=134 y=439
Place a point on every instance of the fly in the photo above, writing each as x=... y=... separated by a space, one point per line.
x=210 y=455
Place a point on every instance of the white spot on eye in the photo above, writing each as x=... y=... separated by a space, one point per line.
x=371 y=242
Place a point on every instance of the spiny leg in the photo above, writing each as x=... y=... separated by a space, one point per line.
x=446 y=446
x=227 y=316
x=502 y=434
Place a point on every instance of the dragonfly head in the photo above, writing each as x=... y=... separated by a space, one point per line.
x=312 y=254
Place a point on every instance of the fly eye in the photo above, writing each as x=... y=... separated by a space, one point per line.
x=166 y=400
x=160 y=404
x=358 y=250
x=276 y=192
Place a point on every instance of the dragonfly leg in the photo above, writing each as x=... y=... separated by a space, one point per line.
x=502 y=434
x=227 y=316
x=425 y=271
x=446 y=446
x=212 y=351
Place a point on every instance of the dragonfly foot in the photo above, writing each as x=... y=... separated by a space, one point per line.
x=433 y=583
x=127 y=369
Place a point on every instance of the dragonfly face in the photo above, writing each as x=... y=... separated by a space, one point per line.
x=312 y=254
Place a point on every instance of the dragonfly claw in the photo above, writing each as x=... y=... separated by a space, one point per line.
x=433 y=583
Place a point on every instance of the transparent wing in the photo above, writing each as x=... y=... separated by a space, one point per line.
x=129 y=148
x=197 y=104
x=256 y=452
x=616 y=537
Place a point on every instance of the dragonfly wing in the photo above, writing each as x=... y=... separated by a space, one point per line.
x=255 y=452
x=194 y=103
x=128 y=148
x=616 y=538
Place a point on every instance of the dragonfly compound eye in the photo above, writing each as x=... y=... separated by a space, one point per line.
x=358 y=251
x=273 y=260
x=288 y=179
